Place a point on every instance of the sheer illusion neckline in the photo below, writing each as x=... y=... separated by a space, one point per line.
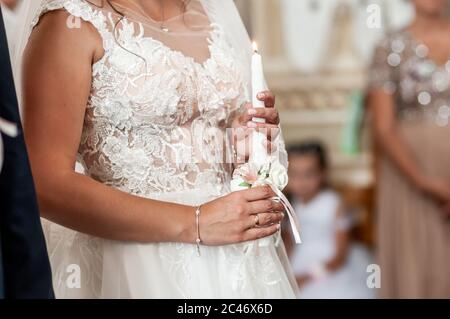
x=209 y=38
x=142 y=14
x=209 y=43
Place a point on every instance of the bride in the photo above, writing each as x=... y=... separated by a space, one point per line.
x=142 y=92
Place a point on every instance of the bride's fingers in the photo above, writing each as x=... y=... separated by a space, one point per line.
x=261 y=232
x=268 y=98
x=265 y=219
x=259 y=126
x=270 y=130
x=265 y=206
x=257 y=193
x=269 y=114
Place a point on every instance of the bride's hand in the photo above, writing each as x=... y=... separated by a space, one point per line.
x=240 y=216
x=243 y=124
x=268 y=112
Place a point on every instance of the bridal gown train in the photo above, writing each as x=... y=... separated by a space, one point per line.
x=159 y=100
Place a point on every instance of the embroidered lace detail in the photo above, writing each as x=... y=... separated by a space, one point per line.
x=156 y=118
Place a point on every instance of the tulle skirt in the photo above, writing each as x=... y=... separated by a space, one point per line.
x=89 y=267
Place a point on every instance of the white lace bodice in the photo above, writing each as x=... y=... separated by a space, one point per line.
x=156 y=117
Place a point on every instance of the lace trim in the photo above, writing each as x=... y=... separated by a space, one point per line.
x=78 y=9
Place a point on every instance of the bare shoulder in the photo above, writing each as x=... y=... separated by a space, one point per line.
x=60 y=32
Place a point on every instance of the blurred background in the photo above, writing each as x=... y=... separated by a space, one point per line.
x=317 y=55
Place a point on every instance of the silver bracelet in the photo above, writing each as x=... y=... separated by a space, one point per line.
x=198 y=241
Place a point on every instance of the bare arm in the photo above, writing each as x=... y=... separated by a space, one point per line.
x=390 y=142
x=57 y=83
x=385 y=129
x=57 y=80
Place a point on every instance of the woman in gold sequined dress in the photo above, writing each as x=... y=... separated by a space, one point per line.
x=409 y=96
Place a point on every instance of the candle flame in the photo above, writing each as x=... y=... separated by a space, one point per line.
x=255 y=46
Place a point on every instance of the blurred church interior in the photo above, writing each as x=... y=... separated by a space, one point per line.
x=316 y=56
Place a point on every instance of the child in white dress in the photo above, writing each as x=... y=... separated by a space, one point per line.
x=326 y=264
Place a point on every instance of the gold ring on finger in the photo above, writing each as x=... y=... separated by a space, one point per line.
x=256 y=220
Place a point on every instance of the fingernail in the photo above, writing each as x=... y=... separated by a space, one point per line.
x=278 y=226
x=252 y=112
x=252 y=124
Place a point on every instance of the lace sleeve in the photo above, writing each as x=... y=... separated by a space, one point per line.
x=77 y=9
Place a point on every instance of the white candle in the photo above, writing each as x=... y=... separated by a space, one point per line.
x=258 y=83
x=258 y=154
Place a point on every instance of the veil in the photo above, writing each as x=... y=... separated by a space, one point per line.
x=221 y=12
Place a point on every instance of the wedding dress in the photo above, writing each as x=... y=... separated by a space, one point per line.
x=162 y=97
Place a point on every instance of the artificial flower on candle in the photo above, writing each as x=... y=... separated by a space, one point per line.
x=249 y=175
x=278 y=175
